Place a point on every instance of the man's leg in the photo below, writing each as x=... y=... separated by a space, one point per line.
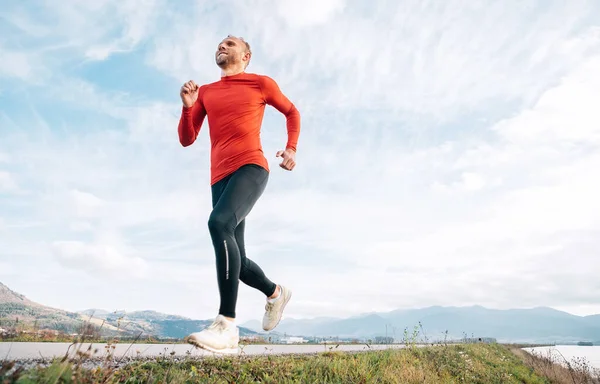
x=250 y=273
x=233 y=198
x=237 y=199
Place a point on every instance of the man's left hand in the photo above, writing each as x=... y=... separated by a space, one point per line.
x=289 y=159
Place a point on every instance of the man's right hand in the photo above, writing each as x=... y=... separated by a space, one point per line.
x=189 y=93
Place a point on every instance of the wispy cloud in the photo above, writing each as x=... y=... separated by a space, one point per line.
x=446 y=157
x=7 y=182
x=98 y=259
x=15 y=64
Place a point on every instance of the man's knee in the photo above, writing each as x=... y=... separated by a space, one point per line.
x=219 y=223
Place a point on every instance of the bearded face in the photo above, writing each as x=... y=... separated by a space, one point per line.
x=230 y=52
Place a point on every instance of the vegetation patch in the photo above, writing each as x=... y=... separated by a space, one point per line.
x=468 y=363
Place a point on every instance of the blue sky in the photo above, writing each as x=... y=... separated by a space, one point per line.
x=448 y=154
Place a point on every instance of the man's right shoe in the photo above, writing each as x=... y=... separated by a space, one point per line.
x=274 y=310
x=219 y=337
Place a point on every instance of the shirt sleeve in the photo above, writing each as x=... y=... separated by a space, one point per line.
x=191 y=120
x=274 y=97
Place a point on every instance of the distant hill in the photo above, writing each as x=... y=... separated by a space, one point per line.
x=536 y=325
x=154 y=323
x=15 y=307
x=9 y=296
x=592 y=319
x=136 y=315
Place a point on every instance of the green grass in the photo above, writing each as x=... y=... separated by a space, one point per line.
x=470 y=363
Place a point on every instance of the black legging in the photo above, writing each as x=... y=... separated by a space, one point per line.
x=232 y=198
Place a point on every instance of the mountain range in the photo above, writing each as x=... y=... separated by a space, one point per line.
x=16 y=309
x=534 y=325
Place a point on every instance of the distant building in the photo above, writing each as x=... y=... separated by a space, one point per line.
x=384 y=340
x=488 y=340
x=293 y=340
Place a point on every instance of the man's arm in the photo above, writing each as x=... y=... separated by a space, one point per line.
x=273 y=96
x=191 y=121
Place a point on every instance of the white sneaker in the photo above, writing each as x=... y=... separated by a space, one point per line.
x=219 y=337
x=274 y=310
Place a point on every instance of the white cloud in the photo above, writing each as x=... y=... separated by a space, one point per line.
x=15 y=64
x=539 y=192
x=466 y=181
x=5 y=268
x=310 y=12
x=127 y=24
x=564 y=116
x=75 y=31
x=418 y=59
x=86 y=204
x=81 y=226
x=135 y=19
x=528 y=221
x=99 y=258
x=7 y=182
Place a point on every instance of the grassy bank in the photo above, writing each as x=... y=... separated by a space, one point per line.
x=474 y=363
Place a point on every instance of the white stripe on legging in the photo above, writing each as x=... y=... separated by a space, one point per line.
x=226 y=260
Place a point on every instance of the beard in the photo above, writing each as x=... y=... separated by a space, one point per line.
x=223 y=60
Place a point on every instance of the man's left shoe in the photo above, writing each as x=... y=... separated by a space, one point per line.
x=219 y=337
x=274 y=310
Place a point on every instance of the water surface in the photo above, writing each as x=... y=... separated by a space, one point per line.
x=571 y=353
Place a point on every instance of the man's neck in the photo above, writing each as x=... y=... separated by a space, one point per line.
x=231 y=71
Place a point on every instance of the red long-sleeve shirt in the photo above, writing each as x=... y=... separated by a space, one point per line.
x=235 y=108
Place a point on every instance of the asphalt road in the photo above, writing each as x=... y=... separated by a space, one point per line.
x=33 y=350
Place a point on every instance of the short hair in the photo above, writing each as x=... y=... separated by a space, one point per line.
x=245 y=43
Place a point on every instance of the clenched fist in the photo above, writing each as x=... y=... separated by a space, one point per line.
x=189 y=93
x=289 y=159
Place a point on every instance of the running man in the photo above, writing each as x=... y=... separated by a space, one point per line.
x=235 y=108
